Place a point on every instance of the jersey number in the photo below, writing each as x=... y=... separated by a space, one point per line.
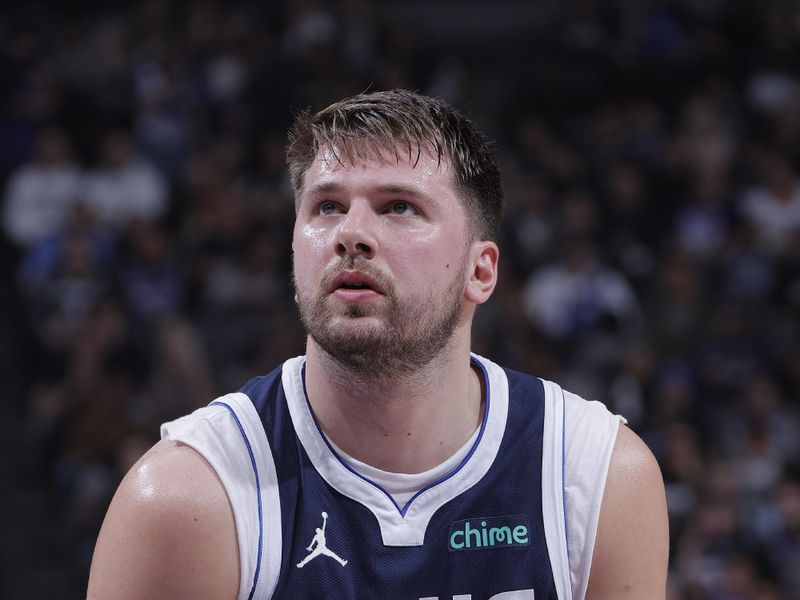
x=515 y=595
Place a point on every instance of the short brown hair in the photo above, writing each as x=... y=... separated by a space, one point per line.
x=399 y=118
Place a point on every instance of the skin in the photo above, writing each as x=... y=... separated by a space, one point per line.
x=170 y=533
x=410 y=422
x=632 y=544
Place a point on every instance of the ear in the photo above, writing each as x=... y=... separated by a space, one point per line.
x=484 y=258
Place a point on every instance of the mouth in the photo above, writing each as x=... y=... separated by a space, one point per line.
x=354 y=280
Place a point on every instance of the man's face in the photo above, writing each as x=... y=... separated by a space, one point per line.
x=380 y=260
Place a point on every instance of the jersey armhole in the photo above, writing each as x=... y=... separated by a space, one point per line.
x=229 y=435
x=589 y=433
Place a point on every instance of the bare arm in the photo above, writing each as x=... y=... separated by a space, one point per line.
x=169 y=533
x=632 y=544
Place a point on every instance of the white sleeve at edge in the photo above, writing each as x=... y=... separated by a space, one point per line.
x=590 y=432
x=229 y=435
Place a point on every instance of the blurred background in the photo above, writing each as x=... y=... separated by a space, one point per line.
x=650 y=255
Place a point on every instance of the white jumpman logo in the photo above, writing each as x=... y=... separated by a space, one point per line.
x=317 y=545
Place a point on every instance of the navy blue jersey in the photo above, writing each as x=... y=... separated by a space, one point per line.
x=495 y=526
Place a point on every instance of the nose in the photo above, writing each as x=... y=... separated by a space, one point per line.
x=356 y=233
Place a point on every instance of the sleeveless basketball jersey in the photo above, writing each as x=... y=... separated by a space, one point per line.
x=516 y=519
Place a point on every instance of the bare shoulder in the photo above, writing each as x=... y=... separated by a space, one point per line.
x=633 y=464
x=169 y=532
x=631 y=549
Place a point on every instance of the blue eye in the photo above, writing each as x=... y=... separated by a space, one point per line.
x=400 y=207
x=327 y=207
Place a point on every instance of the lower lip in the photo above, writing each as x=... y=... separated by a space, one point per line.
x=352 y=296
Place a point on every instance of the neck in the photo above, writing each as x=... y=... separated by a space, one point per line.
x=405 y=423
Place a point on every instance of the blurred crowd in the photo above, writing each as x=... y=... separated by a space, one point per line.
x=650 y=254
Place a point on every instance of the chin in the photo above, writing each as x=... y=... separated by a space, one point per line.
x=364 y=328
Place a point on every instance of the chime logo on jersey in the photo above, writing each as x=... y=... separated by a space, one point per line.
x=489 y=532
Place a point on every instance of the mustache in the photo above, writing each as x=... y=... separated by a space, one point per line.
x=362 y=265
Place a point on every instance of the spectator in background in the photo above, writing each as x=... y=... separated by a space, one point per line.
x=772 y=206
x=675 y=306
x=778 y=533
x=151 y=276
x=41 y=193
x=702 y=224
x=64 y=278
x=761 y=434
x=124 y=186
x=569 y=299
x=634 y=221
x=529 y=222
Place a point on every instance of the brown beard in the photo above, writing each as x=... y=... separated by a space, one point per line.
x=411 y=337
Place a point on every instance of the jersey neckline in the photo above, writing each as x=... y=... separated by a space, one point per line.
x=406 y=525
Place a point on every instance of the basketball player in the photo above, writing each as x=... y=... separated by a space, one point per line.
x=417 y=469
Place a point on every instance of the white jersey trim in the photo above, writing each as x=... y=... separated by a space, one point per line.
x=229 y=435
x=579 y=438
x=553 y=498
x=398 y=527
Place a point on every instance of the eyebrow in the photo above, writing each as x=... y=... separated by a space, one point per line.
x=331 y=187
x=324 y=188
x=399 y=189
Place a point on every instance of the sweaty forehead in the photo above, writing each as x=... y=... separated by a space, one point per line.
x=422 y=168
